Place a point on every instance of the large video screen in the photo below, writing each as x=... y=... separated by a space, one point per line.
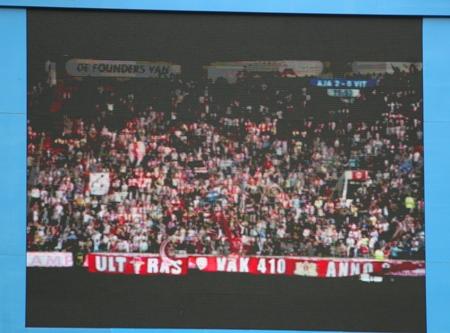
x=190 y=170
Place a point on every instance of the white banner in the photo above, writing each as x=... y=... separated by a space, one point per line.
x=121 y=69
x=286 y=68
x=49 y=259
x=99 y=183
x=373 y=67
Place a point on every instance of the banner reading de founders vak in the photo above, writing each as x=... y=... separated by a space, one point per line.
x=121 y=69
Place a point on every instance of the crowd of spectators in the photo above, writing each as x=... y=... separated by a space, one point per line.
x=255 y=168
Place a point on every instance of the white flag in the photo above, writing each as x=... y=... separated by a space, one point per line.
x=99 y=183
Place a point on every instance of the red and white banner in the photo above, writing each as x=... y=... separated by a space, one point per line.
x=303 y=266
x=49 y=259
x=357 y=175
x=138 y=264
x=145 y=264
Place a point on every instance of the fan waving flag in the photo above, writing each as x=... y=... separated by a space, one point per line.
x=99 y=183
